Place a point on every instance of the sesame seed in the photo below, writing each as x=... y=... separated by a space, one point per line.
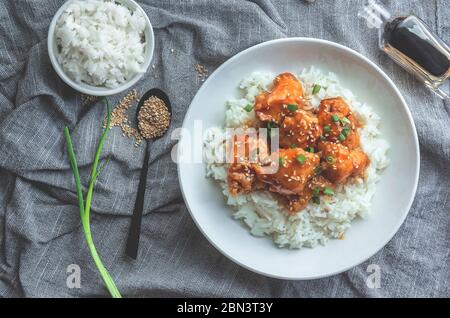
x=201 y=70
x=153 y=118
x=119 y=118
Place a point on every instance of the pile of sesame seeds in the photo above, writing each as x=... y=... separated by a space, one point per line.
x=153 y=118
x=87 y=100
x=119 y=117
x=202 y=72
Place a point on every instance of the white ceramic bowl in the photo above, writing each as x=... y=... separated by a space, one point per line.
x=95 y=90
x=394 y=193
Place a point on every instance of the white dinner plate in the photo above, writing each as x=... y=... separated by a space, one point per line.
x=394 y=193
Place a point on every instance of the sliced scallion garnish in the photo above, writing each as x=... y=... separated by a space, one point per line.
x=345 y=121
x=316 y=89
x=346 y=131
x=248 y=108
x=292 y=107
x=316 y=191
x=301 y=159
x=328 y=191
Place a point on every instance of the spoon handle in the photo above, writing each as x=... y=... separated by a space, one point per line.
x=135 y=227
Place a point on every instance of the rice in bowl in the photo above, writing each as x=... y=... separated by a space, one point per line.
x=317 y=223
x=100 y=42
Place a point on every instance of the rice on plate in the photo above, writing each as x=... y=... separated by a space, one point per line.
x=317 y=223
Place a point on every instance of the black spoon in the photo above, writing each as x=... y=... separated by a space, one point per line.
x=135 y=227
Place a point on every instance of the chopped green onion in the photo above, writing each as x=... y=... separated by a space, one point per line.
x=281 y=160
x=341 y=137
x=328 y=191
x=316 y=89
x=316 y=200
x=292 y=107
x=318 y=170
x=327 y=128
x=330 y=159
x=248 y=108
x=335 y=118
x=310 y=149
x=346 y=131
x=345 y=121
x=316 y=191
x=293 y=146
x=301 y=159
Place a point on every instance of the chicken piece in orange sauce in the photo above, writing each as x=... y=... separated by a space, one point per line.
x=295 y=168
x=245 y=152
x=338 y=122
x=340 y=163
x=300 y=130
x=241 y=178
x=287 y=92
x=316 y=186
x=360 y=162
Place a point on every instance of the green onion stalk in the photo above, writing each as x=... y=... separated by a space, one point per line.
x=86 y=208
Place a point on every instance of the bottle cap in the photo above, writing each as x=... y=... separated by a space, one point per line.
x=375 y=14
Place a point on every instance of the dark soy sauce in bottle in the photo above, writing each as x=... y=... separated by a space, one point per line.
x=412 y=44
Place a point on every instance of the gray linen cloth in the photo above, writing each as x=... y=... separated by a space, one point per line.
x=40 y=228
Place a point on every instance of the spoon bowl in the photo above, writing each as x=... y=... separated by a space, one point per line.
x=157 y=93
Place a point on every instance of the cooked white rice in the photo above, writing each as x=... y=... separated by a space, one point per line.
x=260 y=211
x=100 y=43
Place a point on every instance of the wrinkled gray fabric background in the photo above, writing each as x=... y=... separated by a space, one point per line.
x=40 y=228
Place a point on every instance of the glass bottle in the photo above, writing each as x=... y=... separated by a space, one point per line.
x=413 y=45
